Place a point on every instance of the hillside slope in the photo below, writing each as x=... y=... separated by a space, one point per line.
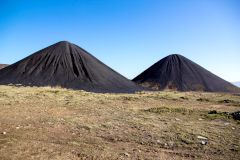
x=176 y=72
x=66 y=65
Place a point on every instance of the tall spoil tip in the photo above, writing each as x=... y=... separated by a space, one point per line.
x=176 y=72
x=69 y=66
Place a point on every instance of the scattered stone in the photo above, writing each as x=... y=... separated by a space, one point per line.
x=233 y=128
x=201 y=137
x=62 y=119
x=170 y=143
x=28 y=118
x=50 y=123
x=4 y=133
x=177 y=119
x=200 y=119
x=204 y=142
x=227 y=123
x=17 y=127
x=158 y=141
x=236 y=115
x=221 y=121
x=126 y=154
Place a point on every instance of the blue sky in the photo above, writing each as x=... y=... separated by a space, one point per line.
x=127 y=35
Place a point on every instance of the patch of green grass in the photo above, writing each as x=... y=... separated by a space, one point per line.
x=213 y=114
x=208 y=115
x=169 y=110
x=229 y=102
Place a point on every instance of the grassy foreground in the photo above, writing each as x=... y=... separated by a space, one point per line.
x=54 y=123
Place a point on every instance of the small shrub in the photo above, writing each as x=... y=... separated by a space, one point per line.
x=212 y=112
x=203 y=100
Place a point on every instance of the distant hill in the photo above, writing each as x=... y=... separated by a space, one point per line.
x=236 y=83
x=176 y=72
x=3 y=65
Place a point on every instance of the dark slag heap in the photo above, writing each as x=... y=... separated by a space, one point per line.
x=69 y=66
x=176 y=72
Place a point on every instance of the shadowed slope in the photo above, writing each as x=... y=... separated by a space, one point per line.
x=179 y=73
x=67 y=65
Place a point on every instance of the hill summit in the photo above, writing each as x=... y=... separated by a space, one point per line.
x=175 y=72
x=69 y=66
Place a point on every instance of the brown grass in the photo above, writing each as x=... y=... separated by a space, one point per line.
x=57 y=123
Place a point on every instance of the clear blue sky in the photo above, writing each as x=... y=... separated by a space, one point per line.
x=127 y=35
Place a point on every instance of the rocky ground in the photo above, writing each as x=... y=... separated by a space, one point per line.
x=55 y=123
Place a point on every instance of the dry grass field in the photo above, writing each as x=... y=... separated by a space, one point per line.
x=55 y=123
x=3 y=65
